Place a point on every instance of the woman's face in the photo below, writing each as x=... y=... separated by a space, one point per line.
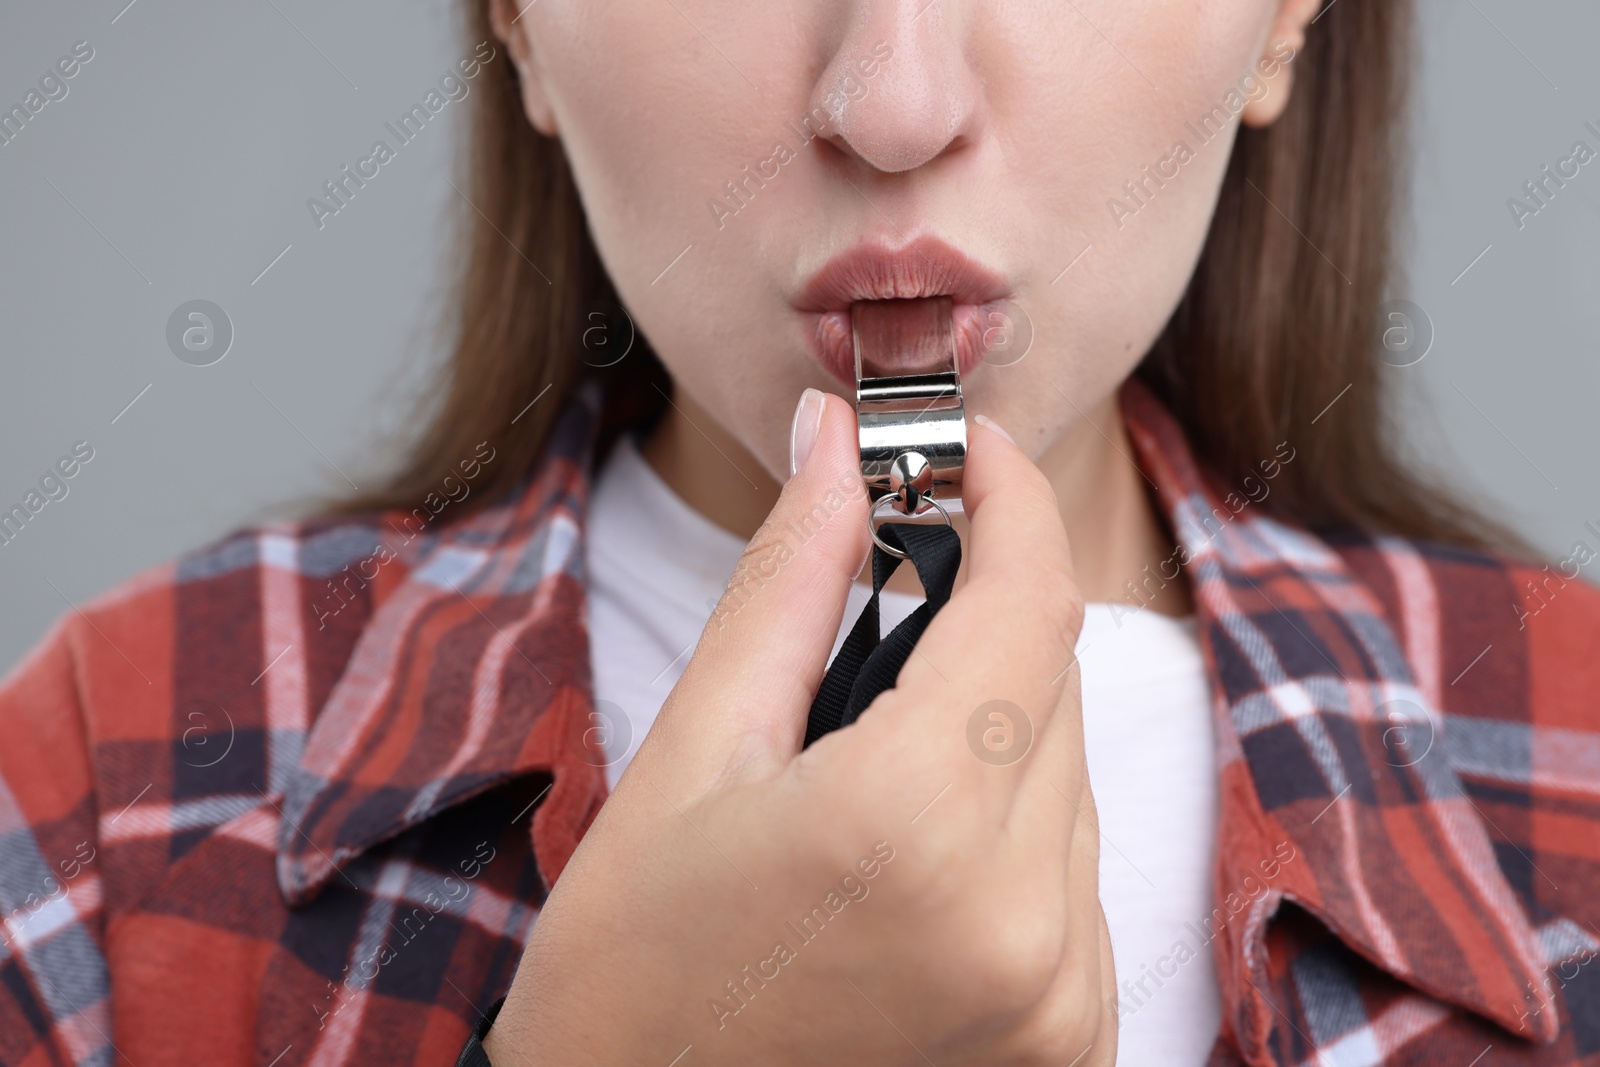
x=750 y=169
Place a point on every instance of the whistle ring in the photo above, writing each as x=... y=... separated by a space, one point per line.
x=873 y=519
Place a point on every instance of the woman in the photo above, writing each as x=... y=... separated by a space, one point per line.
x=299 y=797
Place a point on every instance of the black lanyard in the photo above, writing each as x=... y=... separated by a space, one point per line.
x=866 y=666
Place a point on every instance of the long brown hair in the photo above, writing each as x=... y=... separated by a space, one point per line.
x=1279 y=321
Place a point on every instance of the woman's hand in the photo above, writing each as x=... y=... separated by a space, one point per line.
x=884 y=897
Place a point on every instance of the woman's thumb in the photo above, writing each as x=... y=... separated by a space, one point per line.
x=741 y=704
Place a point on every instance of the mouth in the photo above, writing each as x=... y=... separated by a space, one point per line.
x=923 y=268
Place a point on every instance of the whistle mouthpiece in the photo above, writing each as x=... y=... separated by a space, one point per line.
x=910 y=416
x=897 y=338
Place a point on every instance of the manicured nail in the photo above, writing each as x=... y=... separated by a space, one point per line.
x=803 y=431
x=984 y=420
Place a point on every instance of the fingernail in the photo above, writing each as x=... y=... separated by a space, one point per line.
x=803 y=431
x=984 y=420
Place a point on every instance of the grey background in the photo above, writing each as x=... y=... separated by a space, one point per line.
x=179 y=164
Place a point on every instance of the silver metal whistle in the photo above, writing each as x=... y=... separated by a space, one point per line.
x=910 y=417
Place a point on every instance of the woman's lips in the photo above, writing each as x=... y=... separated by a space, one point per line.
x=925 y=267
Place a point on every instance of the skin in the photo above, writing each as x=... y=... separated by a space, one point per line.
x=1002 y=129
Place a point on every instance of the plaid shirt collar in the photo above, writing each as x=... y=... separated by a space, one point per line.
x=1325 y=742
x=1307 y=674
x=472 y=670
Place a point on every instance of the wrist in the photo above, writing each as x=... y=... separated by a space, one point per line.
x=558 y=1022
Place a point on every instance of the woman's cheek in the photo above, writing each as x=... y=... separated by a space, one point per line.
x=654 y=145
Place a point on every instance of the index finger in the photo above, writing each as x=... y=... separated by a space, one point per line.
x=1006 y=634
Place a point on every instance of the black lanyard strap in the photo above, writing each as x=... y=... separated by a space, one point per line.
x=866 y=666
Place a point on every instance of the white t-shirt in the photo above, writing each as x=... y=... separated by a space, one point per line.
x=657 y=568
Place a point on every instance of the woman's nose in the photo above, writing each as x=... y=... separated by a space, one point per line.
x=920 y=100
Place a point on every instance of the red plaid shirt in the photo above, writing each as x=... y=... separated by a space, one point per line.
x=241 y=822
